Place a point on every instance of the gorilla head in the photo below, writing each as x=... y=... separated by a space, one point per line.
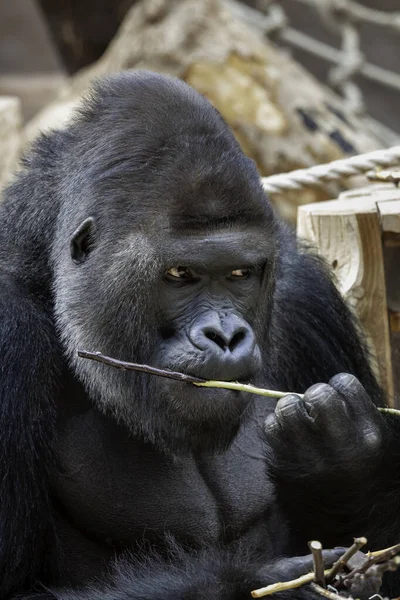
x=164 y=254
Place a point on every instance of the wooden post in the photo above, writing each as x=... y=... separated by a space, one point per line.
x=390 y=219
x=350 y=234
x=10 y=136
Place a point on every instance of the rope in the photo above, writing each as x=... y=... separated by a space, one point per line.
x=333 y=171
x=357 y=12
x=343 y=16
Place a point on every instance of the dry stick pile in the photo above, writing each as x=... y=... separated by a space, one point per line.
x=343 y=574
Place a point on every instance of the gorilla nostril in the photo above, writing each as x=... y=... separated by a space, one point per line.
x=223 y=341
x=229 y=339
x=217 y=339
x=236 y=340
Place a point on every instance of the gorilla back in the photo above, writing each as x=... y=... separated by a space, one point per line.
x=142 y=231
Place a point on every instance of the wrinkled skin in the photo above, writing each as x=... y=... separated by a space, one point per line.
x=329 y=417
x=143 y=232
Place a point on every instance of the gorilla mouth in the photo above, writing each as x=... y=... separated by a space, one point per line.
x=202 y=379
x=221 y=371
x=228 y=378
x=192 y=376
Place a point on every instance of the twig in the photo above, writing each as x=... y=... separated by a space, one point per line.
x=323 y=592
x=337 y=566
x=386 y=553
x=389 y=411
x=390 y=565
x=281 y=586
x=310 y=577
x=378 y=557
x=316 y=551
x=128 y=366
x=243 y=387
x=226 y=385
x=368 y=570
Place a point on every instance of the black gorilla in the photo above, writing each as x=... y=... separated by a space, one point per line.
x=142 y=231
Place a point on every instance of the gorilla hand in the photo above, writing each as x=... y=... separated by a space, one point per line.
x=335 y=430
x=326 y=452
x=293 y=567
x=361 y=586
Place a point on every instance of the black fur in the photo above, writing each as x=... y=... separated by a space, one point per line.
x=100 y=467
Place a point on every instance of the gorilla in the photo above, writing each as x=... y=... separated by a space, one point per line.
x=142 y=231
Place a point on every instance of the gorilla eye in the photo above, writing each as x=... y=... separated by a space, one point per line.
x=180 y=273
x=240 y=273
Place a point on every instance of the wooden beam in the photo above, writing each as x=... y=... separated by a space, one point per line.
x=348 y=234
x=390 y=215
x=390 y=220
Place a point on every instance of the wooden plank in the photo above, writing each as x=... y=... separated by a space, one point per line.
x=390 y=220
x=390 y=215
x=347 y=233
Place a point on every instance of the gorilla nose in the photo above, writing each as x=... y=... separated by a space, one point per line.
x=231 y=336
x=225 y=341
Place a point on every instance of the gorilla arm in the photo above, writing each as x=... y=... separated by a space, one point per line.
x=334 y=457
x=210 y=573
x=28 y=377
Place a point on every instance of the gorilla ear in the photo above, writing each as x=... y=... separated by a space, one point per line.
x=82 y=241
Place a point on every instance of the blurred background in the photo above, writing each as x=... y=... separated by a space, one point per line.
x=256 y=60
x=43 y=40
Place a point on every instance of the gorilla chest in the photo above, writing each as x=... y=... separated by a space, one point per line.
x=114 y=489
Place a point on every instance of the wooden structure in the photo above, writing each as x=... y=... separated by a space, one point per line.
x=10 y=136
x=359 y=236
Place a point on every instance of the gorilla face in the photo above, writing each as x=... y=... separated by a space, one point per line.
x=208 y=300
x=194 y=307
x=166 y=257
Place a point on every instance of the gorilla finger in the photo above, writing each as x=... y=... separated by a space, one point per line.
x=364 y=586
x=352 y=392
x=332 y=555
x=296 y=566
x=371 y=425
x=329 y=558
x=291 y=412
x=325 y=405
x=271 y=425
